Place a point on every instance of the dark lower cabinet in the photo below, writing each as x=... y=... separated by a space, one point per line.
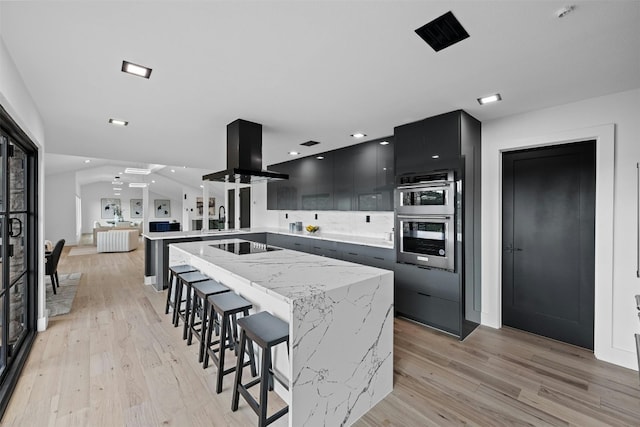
x=428 y=296
x=440 y=313
x=438 y=283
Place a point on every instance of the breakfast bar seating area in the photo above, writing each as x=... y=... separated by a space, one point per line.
x=291 y=324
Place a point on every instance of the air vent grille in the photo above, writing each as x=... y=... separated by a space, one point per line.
x=442 y=32
x=310 y=143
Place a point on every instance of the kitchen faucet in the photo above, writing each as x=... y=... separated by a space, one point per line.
x=222 y=213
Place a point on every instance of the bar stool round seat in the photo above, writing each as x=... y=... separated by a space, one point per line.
x=173 y=287
x=200 y=305
x=227 y=306
x=185 y=282
x=266 y=331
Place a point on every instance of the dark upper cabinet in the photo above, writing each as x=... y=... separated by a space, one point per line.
x=284 y=193
x=358 y=177
x=315 y=182
x=324 y=182
x=385 y=174
x=343 y=179
x=429 y=144
x=365 y=162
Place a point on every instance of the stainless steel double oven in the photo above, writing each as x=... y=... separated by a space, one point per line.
x=425 y=219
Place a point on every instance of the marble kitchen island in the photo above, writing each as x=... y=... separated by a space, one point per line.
x=340 y=317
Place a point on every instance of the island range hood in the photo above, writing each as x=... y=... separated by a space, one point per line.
x=244 y=156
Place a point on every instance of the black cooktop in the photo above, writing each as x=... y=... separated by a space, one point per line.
x=245 y=248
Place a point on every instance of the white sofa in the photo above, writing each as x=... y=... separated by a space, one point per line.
x=117 y=240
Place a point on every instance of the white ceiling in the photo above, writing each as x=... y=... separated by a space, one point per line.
x=306 y=70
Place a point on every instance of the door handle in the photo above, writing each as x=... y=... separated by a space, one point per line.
x=511 y=249
x=11 y=221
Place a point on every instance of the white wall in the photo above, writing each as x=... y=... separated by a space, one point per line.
x=16 y=100
x=176 y=208
x=613 y=121
x=189 y=210
x=92 y=194
x=60 y=206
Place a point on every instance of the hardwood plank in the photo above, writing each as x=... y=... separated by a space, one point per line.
x=116 y=360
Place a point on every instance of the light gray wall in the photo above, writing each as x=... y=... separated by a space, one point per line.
x=60 y=206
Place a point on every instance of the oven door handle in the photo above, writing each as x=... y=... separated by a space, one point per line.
x=424 y=217
x=442 y=184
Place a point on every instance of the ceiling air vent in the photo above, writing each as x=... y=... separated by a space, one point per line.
x=442 y=32
x=310 y=143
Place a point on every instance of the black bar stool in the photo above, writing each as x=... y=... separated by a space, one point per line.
x=266 y=331
x=173 y=286
x=200 y=305
x=227 y=306
x=186 y=280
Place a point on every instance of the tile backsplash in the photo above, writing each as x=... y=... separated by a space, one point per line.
x=338 y=222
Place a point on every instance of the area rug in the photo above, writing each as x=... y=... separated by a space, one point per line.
x=82 y=250
x=61 y=302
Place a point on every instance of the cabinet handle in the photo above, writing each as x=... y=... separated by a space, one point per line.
x=424 y=295
x=351 y=253
x=377 y=257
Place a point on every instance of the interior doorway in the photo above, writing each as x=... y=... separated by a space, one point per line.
x=245 y=207
x=548 y=247
x=231 y=208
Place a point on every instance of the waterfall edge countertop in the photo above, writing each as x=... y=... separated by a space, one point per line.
x=340 y=315
x=320 y=235
x=286 y=274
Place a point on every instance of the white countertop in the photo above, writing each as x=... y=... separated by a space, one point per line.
x=288 y=275
x=344 y=238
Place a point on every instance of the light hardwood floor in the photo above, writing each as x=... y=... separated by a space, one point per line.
x=115 y=360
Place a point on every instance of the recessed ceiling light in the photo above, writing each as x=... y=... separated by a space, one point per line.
x=136 y=70
x=137 y=171
x=491 y=98
x=153 y=181
x=117 y=194
x=116 y=182
x=137 y=184
x=118 y=122
x=173 y=171
x=320 y=157
x=201 y=186
x=358 y=135
x=435 y=156
x=88 y=161
x=293 y=153
x=384 y=142
x=117 y=189
x=384 y=169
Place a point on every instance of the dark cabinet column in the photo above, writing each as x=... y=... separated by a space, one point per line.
x=429 y=144
x=364 y=176
x=324 y=181
x=385 y=175
x=343 y=179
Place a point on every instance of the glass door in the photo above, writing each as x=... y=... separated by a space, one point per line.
x=18 y=253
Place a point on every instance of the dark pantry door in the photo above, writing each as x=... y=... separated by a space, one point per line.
x=548 y=247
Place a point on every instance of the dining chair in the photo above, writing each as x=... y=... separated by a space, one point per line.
x=51 y=267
